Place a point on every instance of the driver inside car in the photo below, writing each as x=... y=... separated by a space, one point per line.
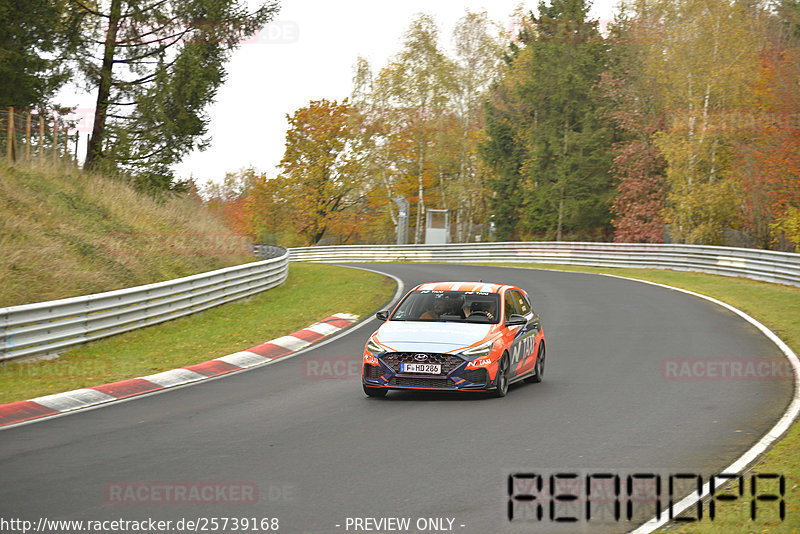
x=486 y=309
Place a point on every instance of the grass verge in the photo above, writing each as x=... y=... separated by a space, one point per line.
x=312 y=292
x=778 y=308
x=66 y=233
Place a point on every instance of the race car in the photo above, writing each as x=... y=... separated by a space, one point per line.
x=455 y=336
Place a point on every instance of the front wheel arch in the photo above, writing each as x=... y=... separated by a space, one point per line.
x=501 y=380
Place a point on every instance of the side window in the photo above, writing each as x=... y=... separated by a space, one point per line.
x=510 y=304
x=522 y=302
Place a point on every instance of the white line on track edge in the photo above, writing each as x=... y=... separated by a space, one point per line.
x=343 y=332
x=763 y=444
x=739 y=464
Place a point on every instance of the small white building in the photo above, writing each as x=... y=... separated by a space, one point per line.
x=437 y=227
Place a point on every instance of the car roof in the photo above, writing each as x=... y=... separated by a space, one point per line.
x=481 y=287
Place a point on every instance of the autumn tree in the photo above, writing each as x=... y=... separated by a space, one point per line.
x=268 y=216
x=768 y=162
x=632 y=103
x=227 y=199
x=478 y=44
x=373 y=128
x=702 y=61
x=416 y=86
x=319 y=176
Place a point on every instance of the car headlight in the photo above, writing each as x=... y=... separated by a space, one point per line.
x=481 y=350
x=374 y=348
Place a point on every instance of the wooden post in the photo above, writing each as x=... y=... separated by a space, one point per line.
x=10 y=145
x=28 y=138
x=8 y=136
x=66 y=145
x=14 y=148
x=41 y=138
x=55 y=140
x=77 y=137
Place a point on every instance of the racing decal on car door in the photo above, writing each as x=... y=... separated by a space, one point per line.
x=525 y=341
x=522 y=347
x=535 y=327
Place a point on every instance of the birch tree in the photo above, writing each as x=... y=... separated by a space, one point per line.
x=478 y=55
x=416 y=85
x=707 y=52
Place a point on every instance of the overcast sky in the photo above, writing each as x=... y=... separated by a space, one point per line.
x=307 y=53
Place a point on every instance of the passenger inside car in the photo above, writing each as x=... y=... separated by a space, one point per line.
x=439 y=307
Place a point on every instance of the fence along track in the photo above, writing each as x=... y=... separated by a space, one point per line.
x=764 y=265
x=33 y=136
x=50 y=327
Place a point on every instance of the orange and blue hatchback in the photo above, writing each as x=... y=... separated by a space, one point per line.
x=456 y=336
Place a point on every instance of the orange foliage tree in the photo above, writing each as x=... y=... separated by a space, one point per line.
x=321 y=174
x=769 y=163
x=227 y=199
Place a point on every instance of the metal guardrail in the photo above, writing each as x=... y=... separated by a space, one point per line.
x=54 y=326
x=765 y=265
x=266 y=252
x=51 y=327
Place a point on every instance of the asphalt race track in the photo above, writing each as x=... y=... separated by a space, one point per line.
x=317 y=451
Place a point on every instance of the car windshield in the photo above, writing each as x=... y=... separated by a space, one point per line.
x=449 y=306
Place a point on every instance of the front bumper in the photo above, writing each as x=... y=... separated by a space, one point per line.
x=454 y=375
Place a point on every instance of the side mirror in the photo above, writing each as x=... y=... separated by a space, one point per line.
x=516 y=319
x=382 y=315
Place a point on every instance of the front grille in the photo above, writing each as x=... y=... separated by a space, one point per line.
x=421 y=382
x=447 y=361
x=370 y=371
x=476 y=376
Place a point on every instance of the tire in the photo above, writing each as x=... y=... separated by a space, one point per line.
x=502 y=377
x=538 y=366
x=375 y=392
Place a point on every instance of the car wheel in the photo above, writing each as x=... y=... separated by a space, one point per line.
x=538 y=366
x=502 y=377
x=375 y=392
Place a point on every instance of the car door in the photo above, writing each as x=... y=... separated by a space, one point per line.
x=524 y=344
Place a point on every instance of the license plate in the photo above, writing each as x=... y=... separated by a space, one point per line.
x=427 y=368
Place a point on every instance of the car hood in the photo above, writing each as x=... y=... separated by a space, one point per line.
x=409 y=336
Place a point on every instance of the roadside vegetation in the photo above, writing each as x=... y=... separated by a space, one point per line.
x=676 y=121
x=778 y=308
x=153 y=68
x=311 y=293
x=65 y=233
